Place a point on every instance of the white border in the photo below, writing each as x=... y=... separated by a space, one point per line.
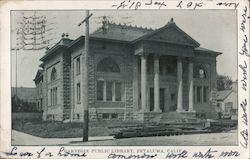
x=5 y=109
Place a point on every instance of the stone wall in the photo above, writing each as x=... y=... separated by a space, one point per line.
x=123 y=57
x=66 y=67
x=52 y=112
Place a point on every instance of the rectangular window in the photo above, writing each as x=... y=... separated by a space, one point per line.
x=118 y=91
x=105 y=116
x=56 y=96
x=78 y=93
x=109 y=90
x=205 y=94
x=100 y=85
x=228 y=107
x=172 y=96
x=198 y=94
x=53 y=96
x=114 y=116
x=78 y=66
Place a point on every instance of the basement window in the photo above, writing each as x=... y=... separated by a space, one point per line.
x=114 y=116
x=105 y=116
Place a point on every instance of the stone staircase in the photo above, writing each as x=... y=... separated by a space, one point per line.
x=175 y=117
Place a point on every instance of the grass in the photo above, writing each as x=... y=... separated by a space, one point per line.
x=55 y=129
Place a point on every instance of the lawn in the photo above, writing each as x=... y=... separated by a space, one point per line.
x=49 y=129
x=56 y=129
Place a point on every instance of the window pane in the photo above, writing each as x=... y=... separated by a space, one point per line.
x=53 y=74
x=118 y=91
x=172 y=96
x=78 y=65
x=205 y=94
x=51 y=97
x=105 y=115
x=114 y=116
x=100 y=85
x=55 y=95
x=198 y=94
x=108 y=65
x=78 y=92
x=109 y=91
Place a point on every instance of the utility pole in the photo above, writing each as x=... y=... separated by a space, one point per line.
x=85 y=77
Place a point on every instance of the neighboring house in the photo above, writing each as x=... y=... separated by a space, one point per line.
x=39 y=89
x=227 y=104
x=135 y=73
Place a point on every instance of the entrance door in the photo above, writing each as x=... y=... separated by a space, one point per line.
x=162 y=99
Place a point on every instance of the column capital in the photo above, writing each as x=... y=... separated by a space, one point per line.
x=180 y=58
x=143 y=54
x=190 y=59
x=156 y=56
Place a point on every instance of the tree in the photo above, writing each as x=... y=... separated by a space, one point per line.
x=224 y=83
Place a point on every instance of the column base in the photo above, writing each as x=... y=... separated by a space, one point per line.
x=157 y=111
x=180 y=110
x=192 y=111
x=144 y=111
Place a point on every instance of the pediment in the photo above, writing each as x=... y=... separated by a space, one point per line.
x=173 y=34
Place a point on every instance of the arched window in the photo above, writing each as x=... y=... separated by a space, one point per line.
x=108 y=65
x=53 y=74
x=200 y=72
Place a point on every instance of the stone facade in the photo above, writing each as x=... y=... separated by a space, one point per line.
x=133 y=74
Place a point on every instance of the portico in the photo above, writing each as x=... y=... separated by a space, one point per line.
x=156 y=84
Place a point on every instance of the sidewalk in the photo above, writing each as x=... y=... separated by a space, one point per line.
x=20 y=138
x=212 y=139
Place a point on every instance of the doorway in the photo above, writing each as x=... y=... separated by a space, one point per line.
x=162 y=99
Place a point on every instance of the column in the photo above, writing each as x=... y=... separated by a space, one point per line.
x=113 y=91
x=156 y=85
x=191 y=87
x=202 y=95
x=143 y=83
x=195 y=94
x=179 y=85
x=148 y=99
x=104 y=91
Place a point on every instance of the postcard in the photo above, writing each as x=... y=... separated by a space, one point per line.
x=124 y=79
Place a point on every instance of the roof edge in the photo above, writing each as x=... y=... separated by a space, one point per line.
x=207 y=51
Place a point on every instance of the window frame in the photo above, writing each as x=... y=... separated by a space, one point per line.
x=102 y=66
x=78 y=65
x=53 y=96
x=78 y=93
x=53 y=74
x=113 y=90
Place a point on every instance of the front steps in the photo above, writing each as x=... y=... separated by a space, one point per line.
x=166 y=117
x=175 y=117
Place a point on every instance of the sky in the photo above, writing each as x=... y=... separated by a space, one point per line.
x=213 y=29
